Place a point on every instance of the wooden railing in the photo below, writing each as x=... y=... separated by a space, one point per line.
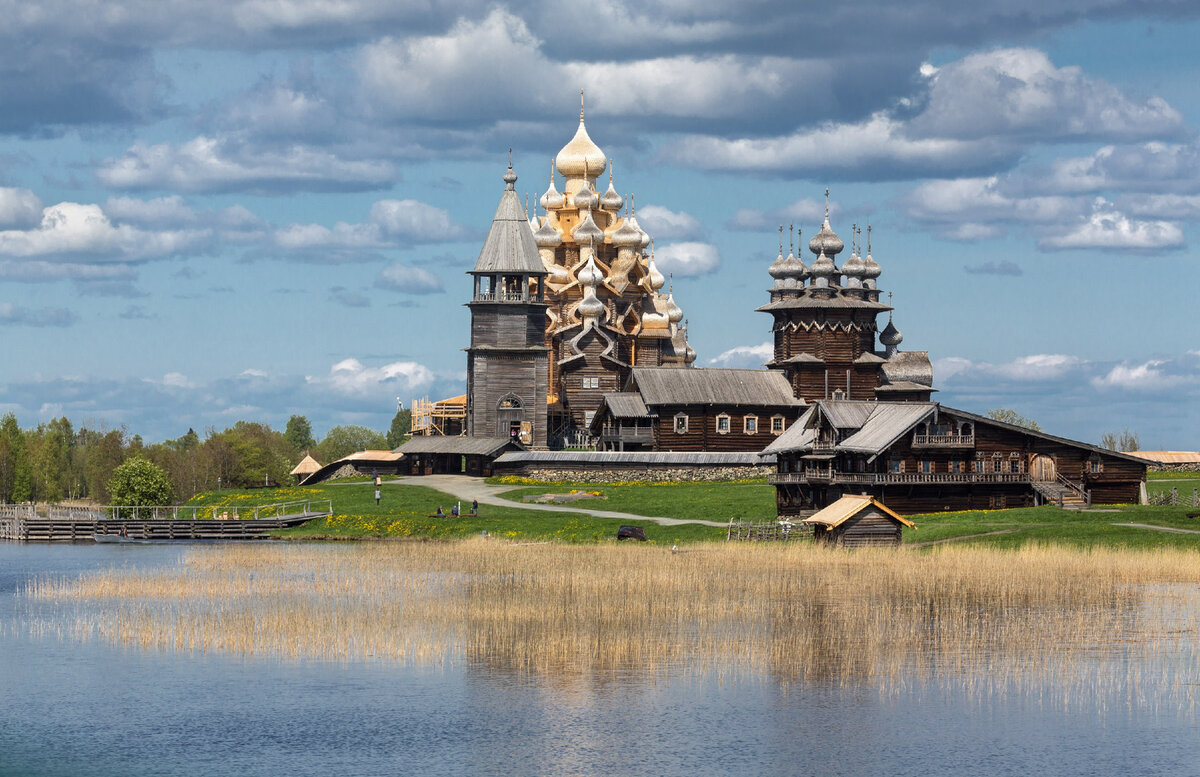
x=890 y=478
x=506 y=296
x=943 y=440
x=186 y=512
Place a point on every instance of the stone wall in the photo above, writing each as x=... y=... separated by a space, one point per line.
x=1189 y=467
x=569 y=474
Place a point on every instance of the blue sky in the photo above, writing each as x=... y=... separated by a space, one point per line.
x=247 y=209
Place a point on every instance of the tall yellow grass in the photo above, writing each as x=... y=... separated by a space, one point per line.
x=978 y=618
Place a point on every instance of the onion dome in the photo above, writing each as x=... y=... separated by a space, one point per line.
x=823 y=269
x=585 y=199
x=777 y=269
x=610 y=200
x=552 y=200
x=689 y=355
x=547 y=236
x=590 y=275
x=890 y=336
x=581 y=157
x=871 y=268
x=638 y=227
x=652 y=316
x=674 y=312
x=826 y=241
x=627 y=236
x=657 y=281
x=854 y=267
x=591 y=306
x=586 y=232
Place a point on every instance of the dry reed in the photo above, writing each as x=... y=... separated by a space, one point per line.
x=983 y=620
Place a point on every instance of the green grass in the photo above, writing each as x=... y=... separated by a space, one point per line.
x=750 y=501
x=1051 y=525
x=405 y=510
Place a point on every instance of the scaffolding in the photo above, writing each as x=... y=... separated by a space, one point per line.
x=446 y=417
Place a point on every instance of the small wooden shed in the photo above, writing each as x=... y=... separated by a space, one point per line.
x=306 y=467
x=856 y=521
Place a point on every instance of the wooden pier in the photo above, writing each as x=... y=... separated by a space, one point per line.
x=22 y=523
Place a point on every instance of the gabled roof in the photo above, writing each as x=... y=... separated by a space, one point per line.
x=699 y=386
x=306 y=466
x=510 y=246
x=796 y=437
x=887 y=423
x=467 y=446
x=625 y=404
x=1167 y=457
x=846 y=413
x=849 y=506
x=980 y=419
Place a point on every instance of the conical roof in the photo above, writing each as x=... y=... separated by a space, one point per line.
x=307 y=466
x=510 y=246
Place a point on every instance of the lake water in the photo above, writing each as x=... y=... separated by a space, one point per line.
x=74 y=708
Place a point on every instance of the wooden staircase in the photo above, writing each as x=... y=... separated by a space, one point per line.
x=1065 y=496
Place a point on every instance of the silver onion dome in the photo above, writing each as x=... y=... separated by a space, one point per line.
x=552 y=199
x=610 y=200
x=627 y=236
x=547 y=236
x=586 y=232
x=891 y=336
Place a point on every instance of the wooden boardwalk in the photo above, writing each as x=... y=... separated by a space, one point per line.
x=22 y=523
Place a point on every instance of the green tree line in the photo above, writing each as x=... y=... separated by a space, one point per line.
x=55 y=461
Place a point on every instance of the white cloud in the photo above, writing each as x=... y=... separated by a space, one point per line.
x=802 y=211
x=750 y=356
x=1148 y=376
x=19 y=208
x=11 y=314
x=688 y=259
x=1024 y=369
x=342 y=235
x=1148 y=167
x=205 y=164
x=408 y=280
x=71 y=229
x=1019 y=92
x=979 y=112
x=350 y=377
x=416 y=221
x=1107 y=227
x=667 y=224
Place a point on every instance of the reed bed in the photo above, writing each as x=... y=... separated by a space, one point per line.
x=1075 y=622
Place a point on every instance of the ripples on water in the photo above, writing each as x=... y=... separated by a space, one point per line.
x=489 y=659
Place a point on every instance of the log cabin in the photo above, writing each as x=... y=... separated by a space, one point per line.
x=921 y=457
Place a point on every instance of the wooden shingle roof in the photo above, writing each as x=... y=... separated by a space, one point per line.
x=698 y=386
x=849 y=506
x=510 y=246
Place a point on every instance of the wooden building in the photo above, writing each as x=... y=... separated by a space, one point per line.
x=922 y=457
x=433 y=455
x=307 y=466
x=507 y=359
x=716 y=410
x=856 y=521
x=825 y=327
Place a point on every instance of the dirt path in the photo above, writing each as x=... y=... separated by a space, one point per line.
x=1168 y=529
x=963 y=537
x=468 y=488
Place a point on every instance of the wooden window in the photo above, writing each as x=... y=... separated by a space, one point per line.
x=997 y=502
x=723 y=423
x=681 y=423
x=996 y=465
x=839 y=394
x=750 y=424
x=926 y=466
x=587 y=418
x=895 y=465
x=1014 y=466
x=591 y=383
x=1096 y=466
x=776 y=424
x=956 y=467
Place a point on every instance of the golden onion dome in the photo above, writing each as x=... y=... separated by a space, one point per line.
x=581 y=158
x=674 y=312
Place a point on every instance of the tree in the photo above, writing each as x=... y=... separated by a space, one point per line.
x=344 y=440
x=400 y=429
x=140 y=482
x=103 y=456
x=1008 y=416
x=15 y=475
x=1127 y=441
x=298 y=434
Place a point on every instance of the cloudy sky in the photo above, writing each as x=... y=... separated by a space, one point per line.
x=244 y=209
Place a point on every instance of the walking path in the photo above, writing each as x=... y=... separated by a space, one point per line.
x=1169 y=529
x=467 y=488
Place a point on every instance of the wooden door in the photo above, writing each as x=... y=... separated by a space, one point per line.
x=1042 y=469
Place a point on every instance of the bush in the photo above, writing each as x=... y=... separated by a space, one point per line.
x=140 y=482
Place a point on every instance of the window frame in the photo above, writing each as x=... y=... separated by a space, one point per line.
x=778 y=426
x=681 y=423
x=750 y=424
x=723 y=423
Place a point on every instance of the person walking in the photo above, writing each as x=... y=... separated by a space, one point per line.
x=475 y=507
x=376 y=494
